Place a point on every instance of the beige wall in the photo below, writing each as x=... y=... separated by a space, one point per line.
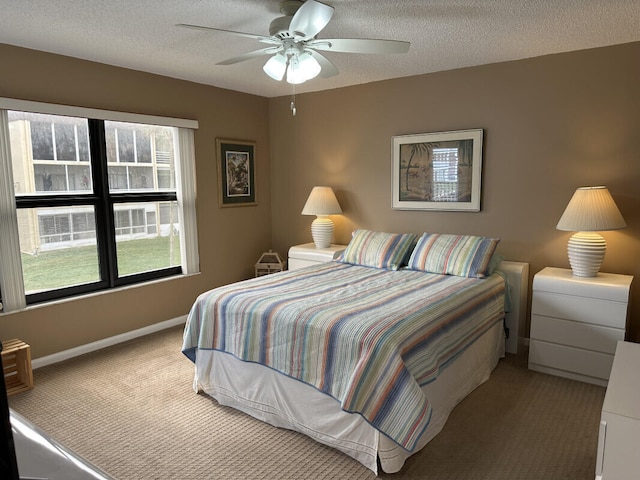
x=231 y=239
x=551 y=124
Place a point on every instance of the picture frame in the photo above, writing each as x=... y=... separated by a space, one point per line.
x=236 y=173
x=437 y=171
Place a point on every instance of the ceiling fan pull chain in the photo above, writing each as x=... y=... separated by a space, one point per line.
x=293 y=102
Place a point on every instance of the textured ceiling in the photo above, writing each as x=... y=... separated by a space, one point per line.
x=444 y=34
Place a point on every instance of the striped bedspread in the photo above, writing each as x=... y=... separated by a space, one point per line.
x=367 y=337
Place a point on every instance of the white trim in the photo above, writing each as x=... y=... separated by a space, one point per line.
x=72 y=111
x=106 y=342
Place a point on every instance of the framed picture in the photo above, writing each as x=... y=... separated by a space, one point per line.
x=236 y=173
x=437 y=171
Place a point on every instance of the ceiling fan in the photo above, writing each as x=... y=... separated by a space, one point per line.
x=294 y=46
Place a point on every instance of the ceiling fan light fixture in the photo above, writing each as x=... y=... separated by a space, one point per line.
x=294 y=47
x=276 y=66
x=302 y=67
x=309 y=65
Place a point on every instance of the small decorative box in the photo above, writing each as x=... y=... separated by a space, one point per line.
x=270 y=262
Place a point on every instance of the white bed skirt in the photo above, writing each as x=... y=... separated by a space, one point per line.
x=288 y=403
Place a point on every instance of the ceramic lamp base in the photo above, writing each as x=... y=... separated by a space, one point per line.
x=586 y=252
x=322 y=231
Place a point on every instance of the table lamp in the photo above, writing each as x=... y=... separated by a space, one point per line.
x=322 y=202
x=590 y=210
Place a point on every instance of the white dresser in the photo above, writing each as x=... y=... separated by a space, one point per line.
x=576 y=323
x=307 y=254
x=619 y=439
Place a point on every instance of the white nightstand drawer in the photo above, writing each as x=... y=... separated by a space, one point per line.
x=576 y=334
x=565 y=361
x=296 y=263
x=604 y=286
x=582 y=309
x=620 y=447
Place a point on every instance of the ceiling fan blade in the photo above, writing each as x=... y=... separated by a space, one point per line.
x=328 y=68
x=310 y=19
x=359 y=45
x=249 y=56
x=260 y=38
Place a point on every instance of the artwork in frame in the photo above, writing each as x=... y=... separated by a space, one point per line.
x=236 y=173
x=437 y=171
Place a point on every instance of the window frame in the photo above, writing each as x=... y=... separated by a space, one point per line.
x=103 y=201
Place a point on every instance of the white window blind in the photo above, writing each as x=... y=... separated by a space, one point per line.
x=11 y=282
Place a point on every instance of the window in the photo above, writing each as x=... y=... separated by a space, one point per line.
x=97 y=203
x=444 y=187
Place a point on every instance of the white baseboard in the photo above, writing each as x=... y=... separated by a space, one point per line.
x=106 y=342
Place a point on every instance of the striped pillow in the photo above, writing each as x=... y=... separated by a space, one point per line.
x=459 y=255
x=378 y=249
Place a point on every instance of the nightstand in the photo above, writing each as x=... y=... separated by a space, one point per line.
x=307 y=254
x=576 y=323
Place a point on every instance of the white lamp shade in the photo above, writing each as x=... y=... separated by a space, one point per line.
x=276 y=66
x=309 y=66
x=322 y=202
x=591 y=209
x=302 y=67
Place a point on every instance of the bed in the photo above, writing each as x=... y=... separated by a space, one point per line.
x=368 y=354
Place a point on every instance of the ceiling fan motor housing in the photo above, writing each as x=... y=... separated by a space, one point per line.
x=279 y=27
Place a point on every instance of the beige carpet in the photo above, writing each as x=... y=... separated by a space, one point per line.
x=131 y=410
